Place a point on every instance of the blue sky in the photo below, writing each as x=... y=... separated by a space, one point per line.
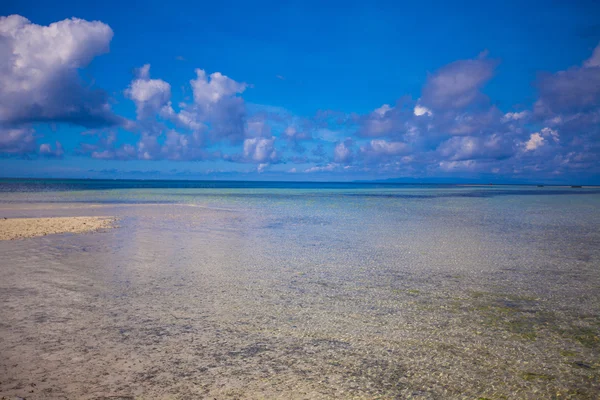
x=504 y=91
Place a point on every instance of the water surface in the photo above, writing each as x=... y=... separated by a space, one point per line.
x=248 y=290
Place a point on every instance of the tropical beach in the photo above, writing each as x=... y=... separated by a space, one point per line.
x=360 y=292
x=299 y=200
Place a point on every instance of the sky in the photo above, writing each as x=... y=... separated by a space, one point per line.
x=430 y=91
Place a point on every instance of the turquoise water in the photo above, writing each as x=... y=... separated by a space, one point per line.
x=304 y=291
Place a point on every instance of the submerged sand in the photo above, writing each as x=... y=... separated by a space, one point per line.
x=21 y=228
x=305 y=303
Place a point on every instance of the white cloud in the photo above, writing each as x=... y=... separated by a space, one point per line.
x=216 y=101
x=262 y=167
x=453 y=166
x=185 y=118
x=17 y=141
x=515 y=116
x=380 y=122
x=535 y=141
x=379 y=147
x=214 y=88
x=22 y=141
x=39 y=78
x=571 y=91
x=382 y=146
x=179 y=146
x=293 y=134
x=149 y=95
x=458 y=84
x=492 y=147
x=539 y=139
x=381 y=111
x=260 y=150
x=421 y=110
x=327 y=168
x=551 y=133
x=47 y=150
x=342 y=152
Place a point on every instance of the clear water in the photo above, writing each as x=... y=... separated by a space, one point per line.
x=253 y=290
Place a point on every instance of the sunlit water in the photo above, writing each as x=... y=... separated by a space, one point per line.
x=355 y=291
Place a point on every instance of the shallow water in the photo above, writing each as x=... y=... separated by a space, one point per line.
x=311 y=292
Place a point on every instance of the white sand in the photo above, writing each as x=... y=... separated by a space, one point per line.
x=20 y=228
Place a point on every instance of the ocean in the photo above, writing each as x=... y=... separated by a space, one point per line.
x=223 y=289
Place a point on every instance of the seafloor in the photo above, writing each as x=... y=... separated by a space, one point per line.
x=361 y=298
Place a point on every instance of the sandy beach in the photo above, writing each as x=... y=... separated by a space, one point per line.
x=22 y=228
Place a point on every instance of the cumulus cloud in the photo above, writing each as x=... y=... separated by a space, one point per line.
x=47 y=150
x=261 y=167
x=217 y=101
x=551 y=133
x=469 y=123
x=169 y=145
x=381 y=122
x=539 y=139
x=535 y=141
x=187 y=147
x=294 y=134
x=461 y=148
x=515 y=116
x=389 y=121
x=17 y=141
x=212 y=89
x=381 y=111
x=420 y=110
x=451 y=127
x=260 y=150
x=217 y=113
x=342 y=153
x=39 y=80
x=457 y=85
x=149 y=95
x=23 y=142
x=384 y=147
x=324 y=168
x=572 y=91
x=378 y=150
x=458 y=166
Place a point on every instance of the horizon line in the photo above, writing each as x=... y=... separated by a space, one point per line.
x=379 y=182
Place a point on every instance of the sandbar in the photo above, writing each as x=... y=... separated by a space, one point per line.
x=21 y=228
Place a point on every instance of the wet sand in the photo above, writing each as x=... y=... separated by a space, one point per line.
x=187 y=302
x=22 y=228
